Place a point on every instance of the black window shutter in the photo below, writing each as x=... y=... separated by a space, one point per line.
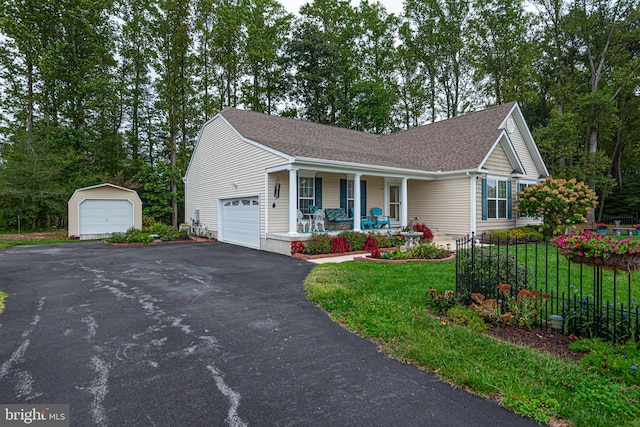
x=343 y=195
x=318 y=201
x=484 y=198
x=363 y=198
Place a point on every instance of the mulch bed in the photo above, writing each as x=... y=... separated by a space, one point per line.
x=400 y=261
x=160 y=242
x=536 y=338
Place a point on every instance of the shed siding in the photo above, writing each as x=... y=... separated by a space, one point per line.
x=236 y=162
x=443 y=205
x=105 y=192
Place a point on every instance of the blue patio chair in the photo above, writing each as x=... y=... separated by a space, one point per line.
x=379 y=219
x=365 y=221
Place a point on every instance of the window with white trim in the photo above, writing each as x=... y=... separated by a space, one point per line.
x=350 y=195
x=497 y=198
x=306 y=193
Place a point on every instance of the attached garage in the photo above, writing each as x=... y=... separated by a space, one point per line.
x=240 y=220
x=100 y=210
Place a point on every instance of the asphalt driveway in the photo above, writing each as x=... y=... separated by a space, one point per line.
x=200 y=334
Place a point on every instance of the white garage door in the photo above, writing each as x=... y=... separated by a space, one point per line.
x=101 y=216
x=241 y=221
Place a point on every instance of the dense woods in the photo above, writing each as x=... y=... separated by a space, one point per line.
x=115 y=91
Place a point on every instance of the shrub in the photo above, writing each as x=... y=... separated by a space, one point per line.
x=558 y=202
x=174 y=234
x=117 y=238
x=147 y=221
x=439 y=302
x=138 y=236
x=380 y=240
x=464 y=316
x=426 y=231
x=526 y=233
x=161 y=229
x=423 y=251
x=297 y=247
x=355 y=239
x=318 y=243
x=339 y=245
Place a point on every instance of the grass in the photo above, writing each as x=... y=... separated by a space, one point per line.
x=33 y=238
x=384 y=302
x=557 y=275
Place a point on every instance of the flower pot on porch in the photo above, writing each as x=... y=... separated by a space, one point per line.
x=602 y=230
x=637 y=231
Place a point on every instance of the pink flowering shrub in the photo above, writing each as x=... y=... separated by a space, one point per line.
x=589 y=244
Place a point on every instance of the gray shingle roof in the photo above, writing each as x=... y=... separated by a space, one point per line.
x=458 y=143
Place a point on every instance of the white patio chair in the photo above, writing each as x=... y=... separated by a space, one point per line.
x=318 y=220
x=304 y=222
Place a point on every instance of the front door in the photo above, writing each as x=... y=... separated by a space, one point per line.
x=394 y=203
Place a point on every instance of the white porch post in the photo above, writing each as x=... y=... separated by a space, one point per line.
x=356 y=203
x=293 y=202
x=404 y=221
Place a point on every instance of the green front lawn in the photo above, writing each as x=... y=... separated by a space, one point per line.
x=384 y=302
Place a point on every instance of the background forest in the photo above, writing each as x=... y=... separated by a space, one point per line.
x=116 y=91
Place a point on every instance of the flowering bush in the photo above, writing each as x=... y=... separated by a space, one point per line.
x=602 y=226
x=528 y=306
x=558 y=202
x=637 y=226
x=589 y=244
x=523 y=308
x=440 y=302
x=297 y=247
x=426 y=231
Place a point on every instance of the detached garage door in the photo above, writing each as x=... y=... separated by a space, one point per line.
x=241 y=221
x=102 y=216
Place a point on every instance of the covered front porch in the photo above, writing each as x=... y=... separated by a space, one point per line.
x=353 y=193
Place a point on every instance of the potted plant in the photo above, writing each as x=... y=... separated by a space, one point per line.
x=602 y=228
x=637 y=229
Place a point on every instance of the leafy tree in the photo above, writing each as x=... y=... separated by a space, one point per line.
x=267 y=26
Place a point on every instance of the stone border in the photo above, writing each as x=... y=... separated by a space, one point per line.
x=401 y=261
x=337 y=254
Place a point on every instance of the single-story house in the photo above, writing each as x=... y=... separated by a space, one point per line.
x=99 y=210
x=251 y=172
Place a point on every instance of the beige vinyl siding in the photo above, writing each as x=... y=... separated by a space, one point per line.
x=104 y=192
x=498 y=163
x=278 y=215
x=526 y=159
x=443 y=205
x=239 y=172
x=375 y=193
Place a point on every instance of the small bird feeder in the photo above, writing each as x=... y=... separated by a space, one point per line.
x=555 y=323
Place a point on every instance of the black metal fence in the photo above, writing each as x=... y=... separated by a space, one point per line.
x=592 y=302
x=623 y=219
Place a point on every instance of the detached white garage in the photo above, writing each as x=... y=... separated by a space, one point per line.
x=100 y=210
